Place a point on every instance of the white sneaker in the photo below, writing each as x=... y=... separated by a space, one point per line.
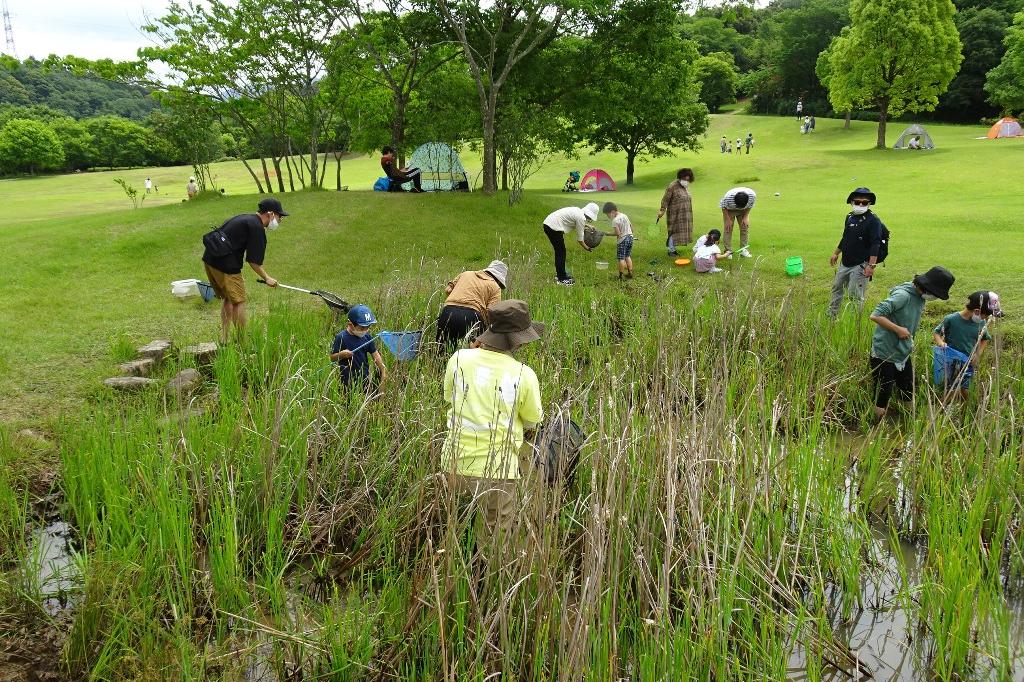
x=745 y=252
x=716 y=270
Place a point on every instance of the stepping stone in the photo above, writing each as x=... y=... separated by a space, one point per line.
x=155 y=349
x=129 y=384
x=138 y=368
x=202 y=353
x=185 y=382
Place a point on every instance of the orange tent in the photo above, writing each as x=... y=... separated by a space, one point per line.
x=1005 y=127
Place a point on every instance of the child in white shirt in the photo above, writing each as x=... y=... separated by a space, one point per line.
x=623 y=239
x=706 y=252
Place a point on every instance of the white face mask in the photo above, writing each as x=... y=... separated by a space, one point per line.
x=359 y=332
x=273 y=224
x=684 y=183
x=929 y=297
x=858 y=210
x=977 y=319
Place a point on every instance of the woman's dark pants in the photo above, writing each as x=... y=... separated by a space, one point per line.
x=454 y=324
x=557 y=240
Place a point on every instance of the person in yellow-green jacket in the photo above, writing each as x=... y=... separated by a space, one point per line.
x=495 y=400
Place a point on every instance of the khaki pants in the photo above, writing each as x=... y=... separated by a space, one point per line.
x=851 y=281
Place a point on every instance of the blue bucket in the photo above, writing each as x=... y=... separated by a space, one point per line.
x=403 y=345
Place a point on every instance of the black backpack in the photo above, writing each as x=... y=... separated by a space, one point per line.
x=883 y=249
x=217 y=243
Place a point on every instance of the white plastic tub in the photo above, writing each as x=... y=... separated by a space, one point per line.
x=601 y=265
x=183 y=288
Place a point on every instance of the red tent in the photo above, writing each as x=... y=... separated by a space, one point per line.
x=597 y=180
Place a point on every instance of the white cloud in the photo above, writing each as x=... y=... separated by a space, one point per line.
x=92 y=29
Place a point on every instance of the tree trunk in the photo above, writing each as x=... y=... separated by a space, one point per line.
x=504 y=172
x=266 y=175
x=337 y=160
x=631 y=166
x=883 y=115
x=276 y=160
x=849 y=115
x=291 y=178
x=490 y=179
x=398 y=128
x=314 y=161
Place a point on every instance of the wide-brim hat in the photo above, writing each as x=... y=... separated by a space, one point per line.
x=510 y=326
x=861 y=192
x=937 y=282
x=499 y=271
x=591 y=210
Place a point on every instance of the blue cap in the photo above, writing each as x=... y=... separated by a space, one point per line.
x=362 y=316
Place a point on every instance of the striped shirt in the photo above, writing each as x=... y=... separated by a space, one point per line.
x=729 y=200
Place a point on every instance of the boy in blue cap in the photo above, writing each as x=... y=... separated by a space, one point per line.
x=352 y=349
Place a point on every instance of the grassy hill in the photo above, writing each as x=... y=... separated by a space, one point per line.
x=85 y=276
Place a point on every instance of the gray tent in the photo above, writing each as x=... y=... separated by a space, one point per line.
x=912 y=132
x=440 y=167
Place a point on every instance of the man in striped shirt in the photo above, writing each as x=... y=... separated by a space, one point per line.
x=736 y=205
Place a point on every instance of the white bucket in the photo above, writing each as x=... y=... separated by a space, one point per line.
x=184 y=288
x=601 y=265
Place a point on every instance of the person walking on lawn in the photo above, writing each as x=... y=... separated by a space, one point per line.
x=568 y=219
x=494 y=401
x=897 y=319
x=243 y=237
x=469 y=296
x=677 y=204
x=859 y=248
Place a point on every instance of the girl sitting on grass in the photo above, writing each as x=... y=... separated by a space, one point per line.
x=706 y=252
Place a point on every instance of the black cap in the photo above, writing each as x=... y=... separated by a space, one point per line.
x=271 y=204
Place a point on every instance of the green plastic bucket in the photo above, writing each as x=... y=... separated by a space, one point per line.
x=794 y=266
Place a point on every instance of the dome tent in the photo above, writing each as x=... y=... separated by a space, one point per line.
x=1005 y=127
x=912 y=132
x=597 y=180
x=440 y=167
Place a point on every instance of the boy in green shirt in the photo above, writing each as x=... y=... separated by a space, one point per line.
x=892 y=344
x=967 y=330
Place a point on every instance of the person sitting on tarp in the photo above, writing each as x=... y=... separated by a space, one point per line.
x=966 y=332
x=399 y=176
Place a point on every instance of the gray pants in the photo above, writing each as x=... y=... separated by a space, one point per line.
x=853 y=282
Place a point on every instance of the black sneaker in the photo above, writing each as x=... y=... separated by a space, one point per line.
x=568 y=282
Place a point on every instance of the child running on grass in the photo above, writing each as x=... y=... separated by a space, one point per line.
x=623 y=239
x=352 y=349
x=967 y=332
x=706 y=252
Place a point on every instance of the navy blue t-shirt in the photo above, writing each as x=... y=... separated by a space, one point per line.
x=358 y=367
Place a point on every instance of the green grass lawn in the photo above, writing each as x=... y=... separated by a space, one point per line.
x=84 y=276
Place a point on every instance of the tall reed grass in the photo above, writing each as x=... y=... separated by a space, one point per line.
x=719 y=502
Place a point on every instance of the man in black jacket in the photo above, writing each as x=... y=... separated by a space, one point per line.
x=241 y=237
x=859 y=247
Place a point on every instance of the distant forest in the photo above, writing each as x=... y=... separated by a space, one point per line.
x=26 y=83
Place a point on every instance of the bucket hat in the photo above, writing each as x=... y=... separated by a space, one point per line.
x=510 y=326
x=499 y=271
x=937 y=282
x=591 y=210
x=862 y=192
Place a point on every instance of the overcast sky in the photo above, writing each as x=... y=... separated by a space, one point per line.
x=84 y=28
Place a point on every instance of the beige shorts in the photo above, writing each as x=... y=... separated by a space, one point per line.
x=229 y=287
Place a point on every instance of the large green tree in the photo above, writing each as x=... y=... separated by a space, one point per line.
x=896 y=56
x=716 y=75
x=1005 y=83
x=78 y=143
x=982 y=30
x=120 y=142
x=644 y=100
x=27 y=145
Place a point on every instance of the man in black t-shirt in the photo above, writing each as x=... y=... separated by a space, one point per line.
x=247 y=241
x=859 y=248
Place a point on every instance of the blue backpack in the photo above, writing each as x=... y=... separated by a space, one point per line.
x=382 y=185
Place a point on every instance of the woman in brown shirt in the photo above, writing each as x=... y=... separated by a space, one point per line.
x=677 y=204
x=469 y=296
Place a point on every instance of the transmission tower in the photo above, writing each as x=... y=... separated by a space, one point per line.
x=8 y=30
